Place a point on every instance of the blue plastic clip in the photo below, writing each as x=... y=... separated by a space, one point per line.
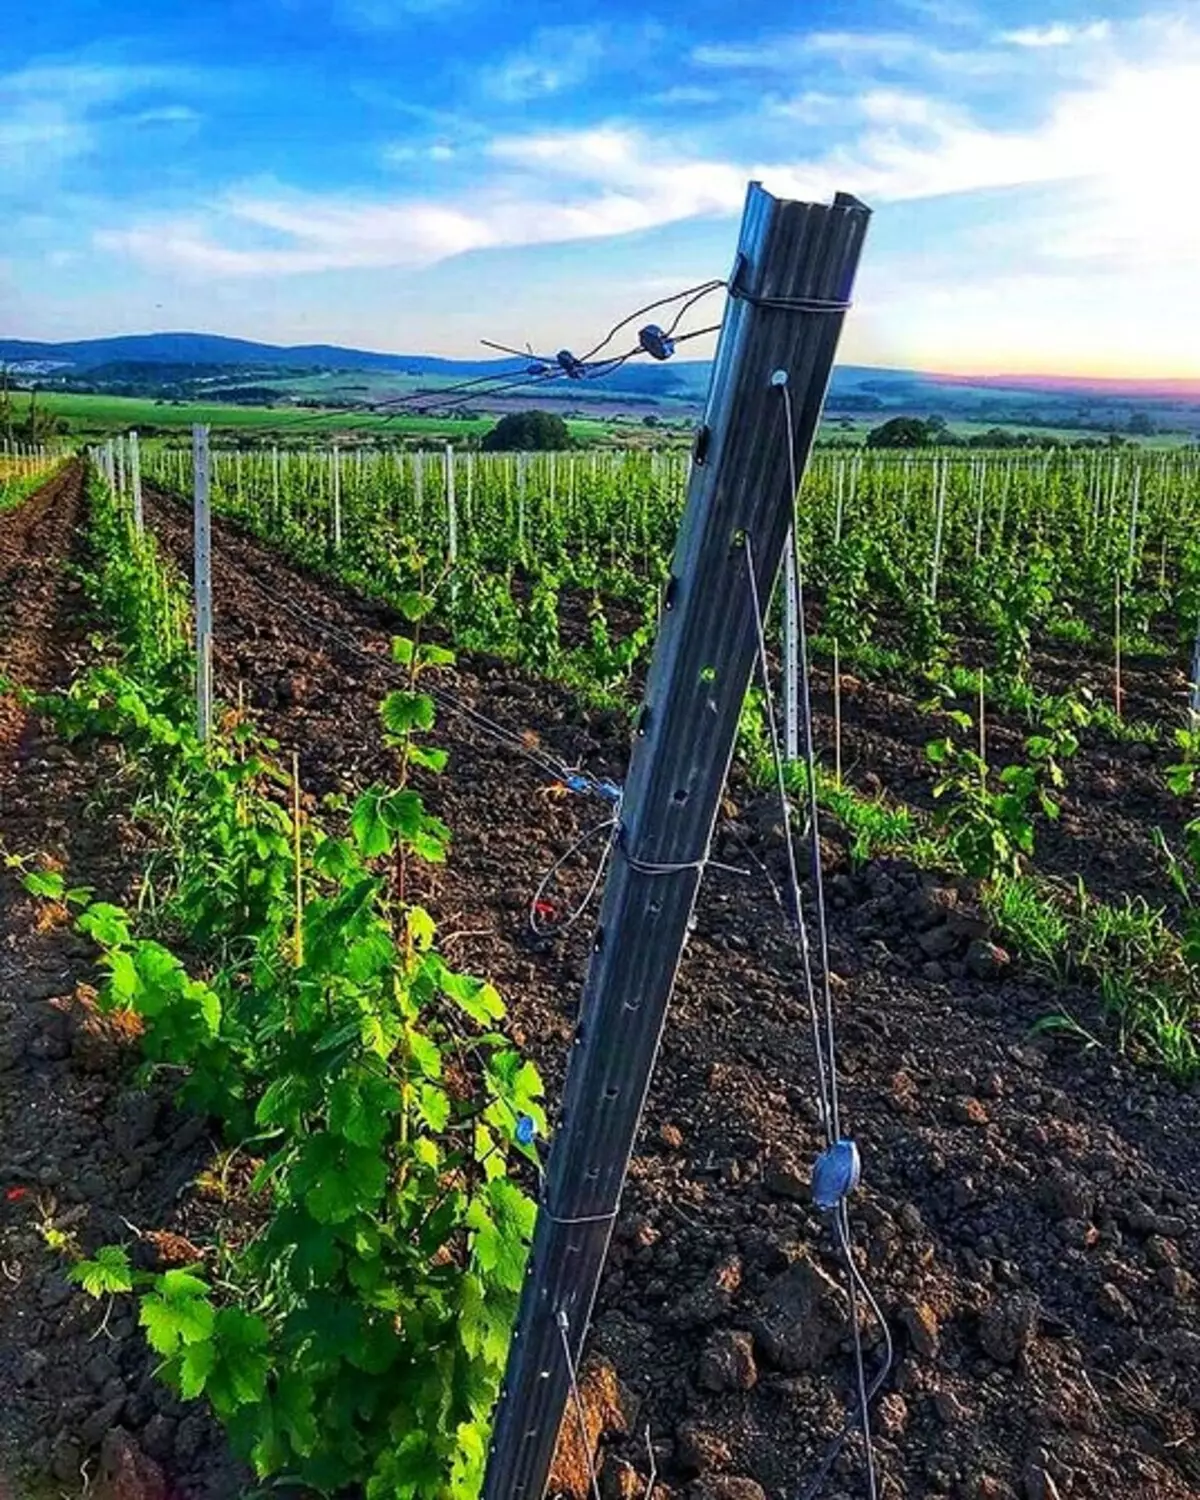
x=835 y=1174
x=526 y=1130
x=539 y=367
x=575 y=368
x=609 y=790
x=656 y=343
x=577 y=783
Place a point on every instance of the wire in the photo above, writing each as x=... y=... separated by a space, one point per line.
x=570 y=777
x=539 y=907
x=695 y=293
x=564 y=1327
x=824 y=1037
x=800 y=931
x=811 y=764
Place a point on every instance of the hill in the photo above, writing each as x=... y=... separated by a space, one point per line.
x=201 y=366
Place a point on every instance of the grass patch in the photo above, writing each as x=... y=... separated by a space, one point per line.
x=1149 y=989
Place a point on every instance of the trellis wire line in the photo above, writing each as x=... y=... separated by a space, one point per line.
x=615 y=845
x=811 y=765
x=612 y=827
x=554 y=368
x=867 y=1394
x=856 y=1281
x=694 y=293
x=826 y=1062
x=570 y=777
x=564 y=1328
x=795 y=915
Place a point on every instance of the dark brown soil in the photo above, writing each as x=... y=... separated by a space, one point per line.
x=1029 y=1214
x=83 y=1150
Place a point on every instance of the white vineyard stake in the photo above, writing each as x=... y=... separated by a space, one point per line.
x=202 y=581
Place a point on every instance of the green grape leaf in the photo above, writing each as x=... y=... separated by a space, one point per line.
x=107 y=1274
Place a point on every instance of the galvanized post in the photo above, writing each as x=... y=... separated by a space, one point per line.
x=1194 y=697
x=202 y=581
x=451 y=513
x=135 y=482
x=790 y=286
x=337 y=500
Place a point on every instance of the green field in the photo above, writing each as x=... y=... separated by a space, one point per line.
x=99 y=415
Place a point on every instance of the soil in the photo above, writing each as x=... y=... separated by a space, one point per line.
x=1028 y=1217
x=84 y=1150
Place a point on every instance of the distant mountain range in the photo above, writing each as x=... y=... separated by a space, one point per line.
x=205 y=364
x=215 y=349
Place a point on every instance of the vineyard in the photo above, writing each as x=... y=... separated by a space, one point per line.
x=22 y=470
x=286 y=1015
x=604 y=975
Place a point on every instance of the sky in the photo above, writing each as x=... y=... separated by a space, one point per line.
x=415 y=175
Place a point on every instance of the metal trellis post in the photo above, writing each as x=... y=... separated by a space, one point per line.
x=202 y=578
x=790 y=288
x=135 y=482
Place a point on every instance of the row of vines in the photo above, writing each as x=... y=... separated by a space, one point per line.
x=350 y=1322
x=23 y=468
x=908 y=553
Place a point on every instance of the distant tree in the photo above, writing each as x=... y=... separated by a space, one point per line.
x=527 y=432
x=1141 y=425
x=904 y=432
x=997 y=437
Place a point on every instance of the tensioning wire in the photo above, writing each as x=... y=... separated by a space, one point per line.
x=569 y=777
x=824 y=1038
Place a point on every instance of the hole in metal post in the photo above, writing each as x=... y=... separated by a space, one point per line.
x=708 y=674
x=700 y=449
x=612 y=1091
x=598 y=940
x=669 y=593
x=643 y=722
x=679 y=796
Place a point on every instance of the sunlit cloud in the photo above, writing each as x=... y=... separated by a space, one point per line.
x=1060 y=34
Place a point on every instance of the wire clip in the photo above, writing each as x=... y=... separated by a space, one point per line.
x=836 y=1174
x=656 y=343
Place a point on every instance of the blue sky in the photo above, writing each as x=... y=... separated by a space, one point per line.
x=416 y=174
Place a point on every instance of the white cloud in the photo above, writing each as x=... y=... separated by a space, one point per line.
x=387 y=15
x=687 y=94
x=556 y=58
x=168 y=114
x=1119 y=143
x=49 y=114
x=857 y=52
x=1059 y=34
